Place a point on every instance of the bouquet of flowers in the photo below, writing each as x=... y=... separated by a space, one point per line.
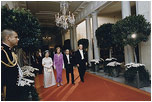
x=25 y=82
x=108 y=60
x=134 y=65
x=28 y=71
x=29 y=68
x=113 y=64
x=113 y=68
x=111 y=59
x=95 y=61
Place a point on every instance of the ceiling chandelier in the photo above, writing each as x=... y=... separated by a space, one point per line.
x=63 y=19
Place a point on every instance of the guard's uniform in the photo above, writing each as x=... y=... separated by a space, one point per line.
x=9 y=73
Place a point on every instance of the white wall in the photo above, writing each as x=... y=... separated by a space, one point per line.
x=11 y=4
x=81 y=30
x=67 y=35
x=144 y=8
x=107 y=19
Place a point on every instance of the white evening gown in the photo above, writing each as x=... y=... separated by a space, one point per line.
x=49 y=78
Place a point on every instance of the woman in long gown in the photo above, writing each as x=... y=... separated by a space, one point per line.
x=49 y=78
x=58 y=64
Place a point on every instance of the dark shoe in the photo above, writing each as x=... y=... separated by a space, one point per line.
x=67 y=82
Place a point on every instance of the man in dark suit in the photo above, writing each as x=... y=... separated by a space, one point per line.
x=39 y=58
x=81 y=61
x=9 y=70
x=68 y=63
x=33 y=60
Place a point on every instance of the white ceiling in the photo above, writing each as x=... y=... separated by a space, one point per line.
x=45 y=10
x=114 y=7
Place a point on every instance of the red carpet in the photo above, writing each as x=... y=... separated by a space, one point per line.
x=94 y=88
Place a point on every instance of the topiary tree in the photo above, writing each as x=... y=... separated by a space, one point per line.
x=25 y=24
x=84 y=42
x=105 y=38
x=67 y=44
x=131 y=30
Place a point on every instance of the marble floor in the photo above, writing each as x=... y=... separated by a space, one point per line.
x=118 y=79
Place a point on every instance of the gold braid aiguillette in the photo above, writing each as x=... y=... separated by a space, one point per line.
x=11 y=63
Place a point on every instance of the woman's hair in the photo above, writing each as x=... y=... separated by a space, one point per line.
x=57 y=49
x=47 y=51
x=37 y=54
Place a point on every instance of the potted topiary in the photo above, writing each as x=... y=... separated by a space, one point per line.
x=105 y=40
x=26 y=84
x=114 y=68
x=95 y=64
x=131 y=31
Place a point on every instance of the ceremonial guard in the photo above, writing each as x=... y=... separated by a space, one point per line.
x=9 y=70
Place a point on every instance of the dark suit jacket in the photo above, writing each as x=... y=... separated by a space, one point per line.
x=78 y=57
x=66 y=60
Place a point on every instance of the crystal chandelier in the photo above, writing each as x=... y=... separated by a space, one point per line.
x=63 y=20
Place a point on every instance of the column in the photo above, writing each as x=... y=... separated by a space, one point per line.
x=71 y=38
x=94 y=27
x=63 y=36
x=75 y=37
x=88 y=31
x=144 y=8
x=128 y=51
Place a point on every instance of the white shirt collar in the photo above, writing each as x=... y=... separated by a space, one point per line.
x=67 y=56
x=80 y=50
x=6 y=44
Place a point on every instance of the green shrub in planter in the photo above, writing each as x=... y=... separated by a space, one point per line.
x=108 y=60
x=95 y=65
x=26 y=84
x=113 y=68
x=131 y=77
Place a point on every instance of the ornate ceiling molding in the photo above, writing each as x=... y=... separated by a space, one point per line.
x=93 y=6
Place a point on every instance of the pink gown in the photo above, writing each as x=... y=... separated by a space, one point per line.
x=58 y=63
